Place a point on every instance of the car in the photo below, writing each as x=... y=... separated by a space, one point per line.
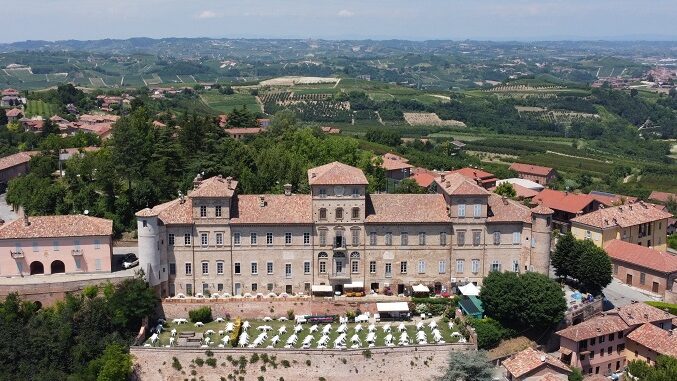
x=129 y=260
x=129 y=265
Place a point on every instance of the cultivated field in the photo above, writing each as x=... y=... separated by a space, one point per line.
x=227 y=103
x=292 y=80
x=38 y=107
x=429 y=119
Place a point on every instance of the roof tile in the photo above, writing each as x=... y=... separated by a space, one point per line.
x=57 y=226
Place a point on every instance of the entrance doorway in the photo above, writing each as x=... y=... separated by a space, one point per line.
x=654 y=287
x=58 y=267
x=374 y=287
x=37 y=268
x=338 y=288
x=628 y=279
x=438 y=288
x=400 y=289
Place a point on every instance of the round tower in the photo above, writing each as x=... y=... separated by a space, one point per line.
x=541 y=237
x=148 y=231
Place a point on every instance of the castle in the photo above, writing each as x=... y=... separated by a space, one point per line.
x=338 y=236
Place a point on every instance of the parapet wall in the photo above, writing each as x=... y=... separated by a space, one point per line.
x=252 y=308
x=395 y=363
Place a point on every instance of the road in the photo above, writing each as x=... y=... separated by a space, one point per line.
x=6 y=212
x=620 y=294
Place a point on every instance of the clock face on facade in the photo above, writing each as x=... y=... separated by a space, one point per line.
x=338 y=190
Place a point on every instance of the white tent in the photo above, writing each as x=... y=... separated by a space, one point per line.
x=355 y=284
x=469 y=290
x=321 y=288
x=392 y=307
x=420 y=288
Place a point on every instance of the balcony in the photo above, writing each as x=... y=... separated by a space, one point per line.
x=339 y=275
x=76 y=252
x=339 y=244
x=18 y=254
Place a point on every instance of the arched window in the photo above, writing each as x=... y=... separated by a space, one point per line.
x=322 y=262
x=354 y=262
x=57 y=267
x=323 y=255
x=37 y=268
x=354 y=255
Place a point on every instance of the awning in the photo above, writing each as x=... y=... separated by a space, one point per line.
x=469 y=290
x=420 y=288
x=356 y=284
x=472 y=306
x=321 y=288
x=392 y=307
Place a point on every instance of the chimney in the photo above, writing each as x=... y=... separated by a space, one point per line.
x=630 y=206
x=26 y=222
x=505 y=200
x=181 y=198
x=443 y=176
x=197 y=181
x=287 y=189
x=313 y=175
x=229 y=180
x=262 y=201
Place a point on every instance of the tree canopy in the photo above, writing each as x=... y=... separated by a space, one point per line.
x=522 y=301
x=583 y=261
x=467 y=366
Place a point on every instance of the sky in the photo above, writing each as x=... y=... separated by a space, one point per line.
x=348 y=19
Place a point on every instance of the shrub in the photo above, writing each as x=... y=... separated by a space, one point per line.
x=489 y=332
x=176 y=364
x=209 y=353
x=366 y=353
x=290 y=314
x=255 y=358
x=199 y=361
x=211 y=362
x=308 y=362
x=203 y=314
x=285 y=363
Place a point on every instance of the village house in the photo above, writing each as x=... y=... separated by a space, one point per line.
x=12 y=166
x=567 y=205
x=423 y=177
x=598 y=345
x=11 y=98
x=538 y=174
x=484 y=179
x=243 y=132
x=397 y=167
x=662 y=197
x=610 y=199
x=649 y=341
x=55 y=244
x=330 y=130
x=533 y=365
x=639 y=223
x=642 y=267
x=337 y=237
x=14 y=115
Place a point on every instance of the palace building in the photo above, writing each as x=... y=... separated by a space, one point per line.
x=218 y=241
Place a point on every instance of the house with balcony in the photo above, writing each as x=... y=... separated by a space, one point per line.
x=639 y=223
x=598 y=345
x=70 y=244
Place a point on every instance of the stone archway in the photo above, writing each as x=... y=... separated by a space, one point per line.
x=57 y=267
x=37 y=268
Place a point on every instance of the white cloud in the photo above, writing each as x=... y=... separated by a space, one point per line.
x=346 y=13
x=207 y=15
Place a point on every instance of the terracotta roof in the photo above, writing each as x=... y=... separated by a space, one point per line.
x=524 y=192
x=641 y=256
x=506 y=210
x=553 y=377
x=57 y=226
x=330 y=130
x=244 y=131
x=13 y=113
x=394 y=165
x=172 y=212
x=597 y=326
x=531 y=169
x=336 y=174
x=10 y=92
x=662 y=196
x=459 y=185
x=528 y=360
x=564 y=201
x=657 y=339
x=542 y=209
x=423 y=179
x=639 y=313
x=277 y=209
x=476 y=174
x=216 y=186
x=622 y=216
x=392 y=156
x=610 y=199
x=14 y=160
x=406 y=208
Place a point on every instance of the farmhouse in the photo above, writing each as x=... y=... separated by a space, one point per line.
x=396 y=167
x=643 y=267
x=215 y=240
x=541 y=175
x=640 y=223
x=55 y=244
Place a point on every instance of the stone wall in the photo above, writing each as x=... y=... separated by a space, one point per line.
x=273 y=307
x=396 y=363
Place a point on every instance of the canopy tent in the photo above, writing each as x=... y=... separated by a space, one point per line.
x=420 y=288
x=392 y=307
x=472 y=306
x=469 y=290
x=355 y=284
x=321 y=288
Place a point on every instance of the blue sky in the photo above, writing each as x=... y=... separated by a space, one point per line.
x=347 y=19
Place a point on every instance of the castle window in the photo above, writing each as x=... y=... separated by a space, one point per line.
x=323 y=237
x=516 y=238
x=306 y=238
x=323 y=213
x=323 y=193
x=217 y=210
x=219 y=268
x=339 y=213
x=236 y=239
x=186 y=239
x=460 y=238
x=356 y=237
x=171 y=239
x=237 y=268
x=269 y=268
x=443 y=239
x=203 y=211
x=205 y=268
x=269 y=239
x=287 y=238
x=475 y=266
x=356 y=213
x=389 y=238
x=421 y=266
x=219 y=239
x=372 y=238
x=461 y=210
x=404 y=239
x=497 y=238
x=252 y=238
x=403 y=267
x=442 y=267
x=477 y=211
x=204 y=239
x=189 y=268
x=421 y=239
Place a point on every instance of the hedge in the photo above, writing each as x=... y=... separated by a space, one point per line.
x=672 y=308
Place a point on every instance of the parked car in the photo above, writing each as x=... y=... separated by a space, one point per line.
x=129 y=260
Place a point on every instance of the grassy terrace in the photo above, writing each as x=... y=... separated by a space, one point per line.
x=254 y=332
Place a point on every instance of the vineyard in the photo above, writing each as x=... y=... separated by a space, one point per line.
x=553 y=116
x=38 y=107
x=310 y=107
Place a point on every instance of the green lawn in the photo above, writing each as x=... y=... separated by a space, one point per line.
x=253 y=332
x=39 y=107
x=227 y=103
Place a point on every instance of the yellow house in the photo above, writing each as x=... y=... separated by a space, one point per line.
x=639 y=223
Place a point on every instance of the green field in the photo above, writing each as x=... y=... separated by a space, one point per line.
x=445 y=331
x=227 y=103
x=39 y=107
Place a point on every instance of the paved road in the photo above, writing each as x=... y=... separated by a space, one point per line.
x=620 y=294
x=6 y=212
